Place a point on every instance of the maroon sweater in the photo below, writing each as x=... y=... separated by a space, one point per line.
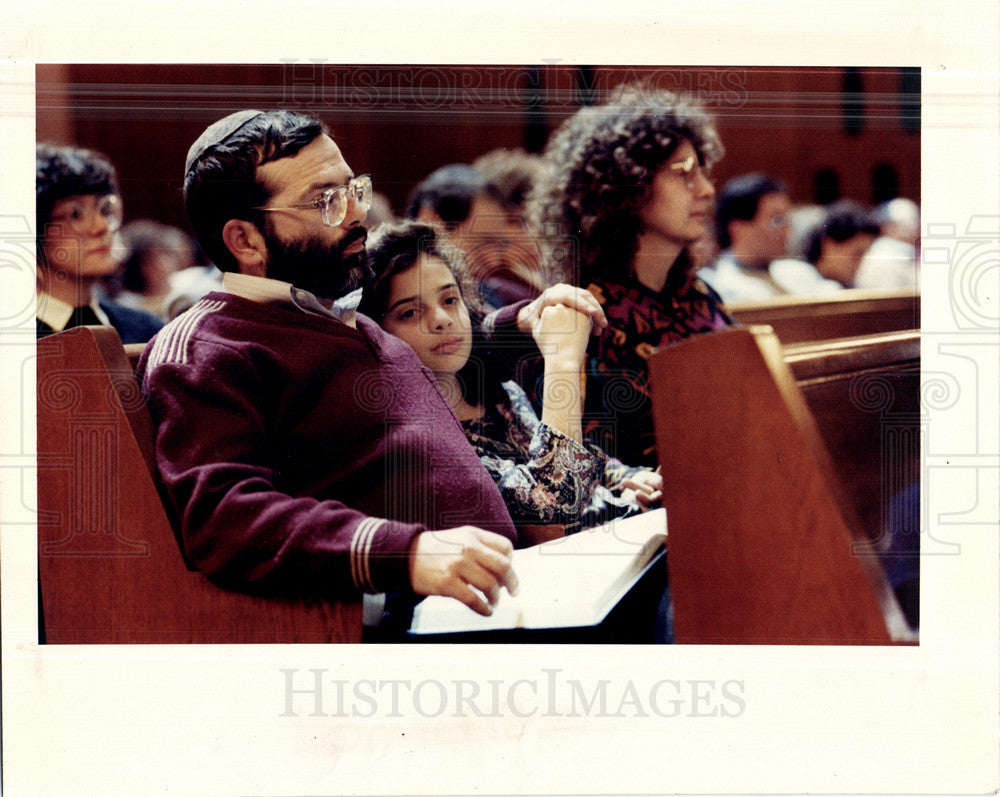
x=302 y=456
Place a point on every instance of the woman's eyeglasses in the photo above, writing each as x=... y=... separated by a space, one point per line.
x=690 y=170
x=78 y=213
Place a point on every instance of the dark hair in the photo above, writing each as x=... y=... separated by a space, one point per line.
x=62 y=172
x=512 y=173
x=449 y=192
x=394 y=249
x=740 y=199
x=844 y=219
x=144 y=237
x=222 y=183
x=602 y=162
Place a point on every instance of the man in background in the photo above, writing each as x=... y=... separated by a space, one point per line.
x=751 y=221
x=482 y=219
x=892 y=261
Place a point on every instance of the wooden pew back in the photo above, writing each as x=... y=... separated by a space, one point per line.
x=763 y=546
x=845 y=314
x=864 y=394
x=110 y=568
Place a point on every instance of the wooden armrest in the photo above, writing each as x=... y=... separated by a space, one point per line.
x=110 y=567
x=133 y=351
x=532 y=534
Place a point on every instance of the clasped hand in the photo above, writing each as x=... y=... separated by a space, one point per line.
x=562 y=334
x=578 y=299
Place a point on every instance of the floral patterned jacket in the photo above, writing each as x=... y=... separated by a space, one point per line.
x=544 y=476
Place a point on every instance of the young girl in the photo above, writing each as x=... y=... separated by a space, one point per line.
x=545 y=472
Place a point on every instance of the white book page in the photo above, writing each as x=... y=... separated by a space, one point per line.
x=564 y=582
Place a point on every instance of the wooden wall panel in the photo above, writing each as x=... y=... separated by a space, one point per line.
x=401 y=122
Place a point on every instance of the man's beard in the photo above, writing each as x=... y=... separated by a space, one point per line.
x=320 y=268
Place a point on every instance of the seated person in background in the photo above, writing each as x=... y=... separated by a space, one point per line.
x=78 y=211
x=303 y=449
x=752 y=228
x=154 y=254
x=544 y=471
x=501 y=259
x=837 y=244
x=626 y=196
x=188 y=286
x=512 y=174
x=802 y=220
x=380 y=212
x=893 y=261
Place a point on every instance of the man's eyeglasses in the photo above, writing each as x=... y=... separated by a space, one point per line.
x=78 y=213
x=332 y=203
x=689 y=169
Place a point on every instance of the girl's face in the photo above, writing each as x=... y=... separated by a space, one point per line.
x=426 y=310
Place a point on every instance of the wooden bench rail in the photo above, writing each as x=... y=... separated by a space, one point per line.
x=864 y=394
x=759 y=549
x=133 y=351
x=110 y=569
x=845 y=314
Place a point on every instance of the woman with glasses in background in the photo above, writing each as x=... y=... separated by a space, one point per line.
x=626 y=198
x=78 y=211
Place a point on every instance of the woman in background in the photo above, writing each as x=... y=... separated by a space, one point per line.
x=624 y=200
x=78 y=212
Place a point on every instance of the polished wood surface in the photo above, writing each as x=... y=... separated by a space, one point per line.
x=763 y=544
x=864 y=394
x=845 y=314
x=110 y=567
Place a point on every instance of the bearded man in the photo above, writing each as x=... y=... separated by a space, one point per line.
x=304 y=450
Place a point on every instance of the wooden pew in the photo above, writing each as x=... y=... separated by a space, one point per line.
x=864 y=394
x=764 y=543
x=110 y=567
x=845 y=314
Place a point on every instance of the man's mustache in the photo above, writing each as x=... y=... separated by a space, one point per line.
x=353 y=236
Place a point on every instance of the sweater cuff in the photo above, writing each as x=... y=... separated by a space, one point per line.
x=502 y=324
x=380 y=554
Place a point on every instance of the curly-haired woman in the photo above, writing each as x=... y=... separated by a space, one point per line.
x=626 y=197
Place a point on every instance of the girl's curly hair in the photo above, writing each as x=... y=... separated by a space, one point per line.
x=601 y=164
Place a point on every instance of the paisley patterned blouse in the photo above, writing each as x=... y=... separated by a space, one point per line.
x=544 y=476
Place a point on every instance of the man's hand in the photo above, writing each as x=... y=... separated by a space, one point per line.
x=578 y=299
x=646 y=487
x=454 y=561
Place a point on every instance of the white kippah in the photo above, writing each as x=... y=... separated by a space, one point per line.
x=216 y=133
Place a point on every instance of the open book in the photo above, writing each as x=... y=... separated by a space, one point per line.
x=567 y=582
